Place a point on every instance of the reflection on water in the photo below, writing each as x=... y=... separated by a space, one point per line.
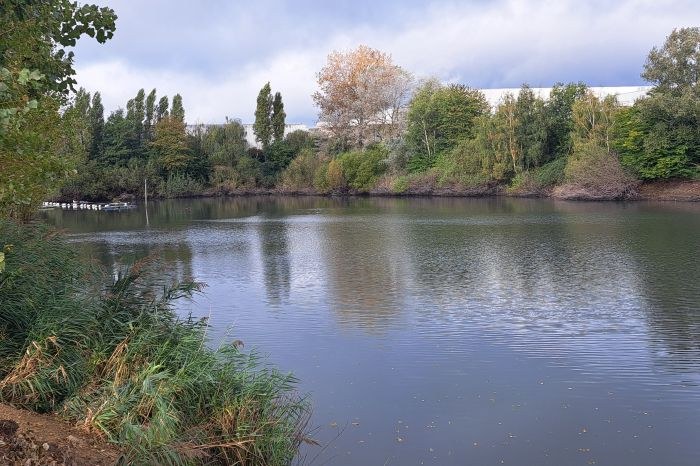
x=450 y=331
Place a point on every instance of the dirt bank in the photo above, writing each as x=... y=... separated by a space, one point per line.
x=28 y=438
x=675 y=190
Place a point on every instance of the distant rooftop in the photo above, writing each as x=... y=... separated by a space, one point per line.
x=626 y=95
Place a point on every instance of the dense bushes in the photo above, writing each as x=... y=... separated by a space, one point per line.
x=594 y=172
x=362 y=169
x=302 y=172
x=121 y=363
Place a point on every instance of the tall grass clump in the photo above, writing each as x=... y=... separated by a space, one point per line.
x=120 y=362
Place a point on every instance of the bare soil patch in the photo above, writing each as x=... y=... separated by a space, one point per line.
x=675 y=190
x=31 y=439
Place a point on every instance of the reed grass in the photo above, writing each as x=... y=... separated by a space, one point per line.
x=118 y=361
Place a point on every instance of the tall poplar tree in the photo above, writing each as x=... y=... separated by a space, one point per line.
x=278 y=118
x=97 y=126
x=263 y=122
x=162 y=109
x=150 y=115
x=178 y=111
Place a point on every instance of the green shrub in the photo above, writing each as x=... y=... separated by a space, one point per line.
x=598 y=172
x=461 y=165
x=362 y=169
x=400 y=185
x=540 y=178
x=302 y=172
x=551 y=173
x=248 y=172
x=179 y=186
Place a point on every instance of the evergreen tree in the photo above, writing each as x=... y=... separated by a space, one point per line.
x=97 y=124
x=162 y=109
x=278 y=118
x=263 y=123
x=178 y=111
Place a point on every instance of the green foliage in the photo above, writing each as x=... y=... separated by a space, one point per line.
x=162 y=109
x=77 y=117
x=277 y=120
x=225 y=144
x=277 y=157
x=16 y=96
x=263 y=123
x=35 y=159
x=675 y=67
x=301 y=174
x=530 y=128
x=400 y=185
x=118 y=142
x=551 y=173
x=178 y=111
x=248 y=172
x=438 y=118
x=37 y=148
x=593 y=120
x=557 y=120
x=594 y=168
x=169 y=149
x=658 y=138
x=123 y=364
x=97 y=124
x=461 y=162
x=34 y=34
x=541 y=179
x=178 y=185
x=95 y=182
x=362 y=169
x=149 y=116
x=298 y=140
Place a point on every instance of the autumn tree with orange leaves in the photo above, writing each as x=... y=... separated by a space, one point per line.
x=361 y=96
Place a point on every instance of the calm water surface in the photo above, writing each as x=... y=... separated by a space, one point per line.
x=450 y=331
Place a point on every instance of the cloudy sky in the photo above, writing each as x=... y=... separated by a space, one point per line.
x=218 y=54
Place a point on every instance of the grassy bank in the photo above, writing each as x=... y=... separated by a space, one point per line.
x=119 y=362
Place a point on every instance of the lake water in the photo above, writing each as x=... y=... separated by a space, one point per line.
x=450 y=331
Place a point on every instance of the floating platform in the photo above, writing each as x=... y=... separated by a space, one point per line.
x=81 y=205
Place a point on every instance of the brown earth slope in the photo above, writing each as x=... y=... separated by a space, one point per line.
x=31 y=439
x=670 y=191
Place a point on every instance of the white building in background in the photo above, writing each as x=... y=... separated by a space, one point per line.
x=626 y=95
x=249 y=133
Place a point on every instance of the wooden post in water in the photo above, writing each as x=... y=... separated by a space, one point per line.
x=145 y=197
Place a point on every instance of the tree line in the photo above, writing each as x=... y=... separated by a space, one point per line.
x=449 y=138
x=151 y=142
x=380 y=131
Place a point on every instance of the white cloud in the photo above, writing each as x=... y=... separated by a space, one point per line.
x=499 y=44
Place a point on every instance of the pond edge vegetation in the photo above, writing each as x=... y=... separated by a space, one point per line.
x=119 y=362
x=106 y=350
